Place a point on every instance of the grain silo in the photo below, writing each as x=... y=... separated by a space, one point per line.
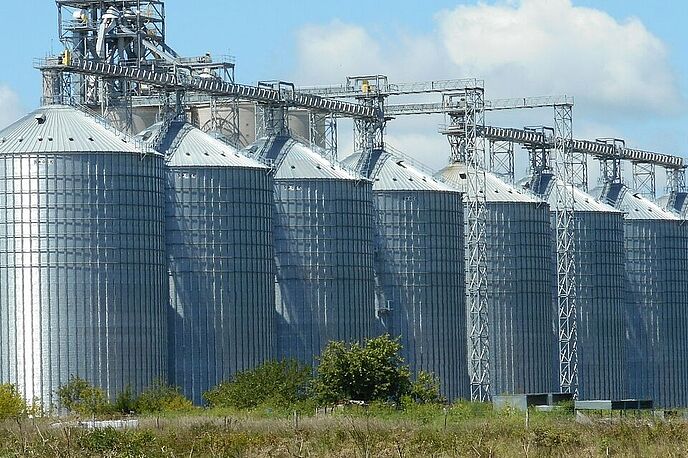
x=600 y=276
x=656 y=243
x=519 y=286
x=419 y=268
x=220 y=259
x=82 y=262
x=323 y=232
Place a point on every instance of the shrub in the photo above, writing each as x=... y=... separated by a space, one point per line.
x=161 y=397
x=80 y=397
x=373 y=371
x=426 y=389
x=275 y=383
x=12 y=404
x=125 y=402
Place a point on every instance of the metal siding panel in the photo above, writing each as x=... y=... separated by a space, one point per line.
x=657 y=319
x=324 y=257
x=72 y=307
x=219 y=247
x=600 y=305
x=420 y=275
x=520 y=287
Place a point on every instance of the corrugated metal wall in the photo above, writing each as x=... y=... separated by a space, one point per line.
x=600 y=304
x=82 y=269
x=324 y=254
x=421 y=280
x=657 y=269
x=221 y=267
x=520 y=284
x=323 y=233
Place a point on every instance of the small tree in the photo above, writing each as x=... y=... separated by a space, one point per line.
x=161 y=397
x=12 y=404
x=126 y=401
x=279 y=383
x=373 y=371
x=425 y=389
x=80 y=397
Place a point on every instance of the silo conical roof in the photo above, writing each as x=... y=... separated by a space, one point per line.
x=395 y=174
x=634 y=204
x=295 y=160
x=187 y=146
x=676 y=202
x=60 y=128
x=456 y=175
x=543 y=185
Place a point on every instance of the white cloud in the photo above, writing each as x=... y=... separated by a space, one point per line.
x=553 y=47
x=527 y=47
x=11 y=107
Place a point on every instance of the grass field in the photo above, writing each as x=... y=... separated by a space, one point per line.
x=421 y=431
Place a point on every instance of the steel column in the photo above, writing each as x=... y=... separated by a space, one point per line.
x=567 y=168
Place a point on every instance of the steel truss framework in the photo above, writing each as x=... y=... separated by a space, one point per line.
x=501 y=154
x=468 y=146
x=539 y=154
x=568 y=168
x=610 y=166
x=322 y=132
x=644 y=181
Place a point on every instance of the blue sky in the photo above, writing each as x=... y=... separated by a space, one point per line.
x=640 y=96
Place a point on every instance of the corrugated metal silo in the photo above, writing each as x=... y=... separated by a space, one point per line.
x=82 y=256
x=600 y=275
x=656 y=244
x=323 y=249
x=220 y=259
x=420 y=269
x=519 y=282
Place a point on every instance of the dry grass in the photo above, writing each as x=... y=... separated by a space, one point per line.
x=353 y=434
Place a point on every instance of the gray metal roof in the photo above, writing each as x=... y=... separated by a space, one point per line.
x=676 y=202
x=632 y=203
x=455 y=175
x=294 y=160
x=543 y=184
x=187 y=146
x=58 y=129
x=392 y=173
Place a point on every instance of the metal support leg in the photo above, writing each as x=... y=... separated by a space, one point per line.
x=644 y=179
x=567 y=168
x=470 y=147
x=502 y=159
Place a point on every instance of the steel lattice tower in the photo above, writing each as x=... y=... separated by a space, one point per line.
x=568 y=168
x=469 y=147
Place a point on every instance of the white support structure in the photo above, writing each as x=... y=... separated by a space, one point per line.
x=501 y=153
x=675 y=180
x=322 y=131
x=469 y=147
x=644 y=181
x=567 y=168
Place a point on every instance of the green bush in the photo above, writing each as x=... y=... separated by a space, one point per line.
x=12 y=404
x=426 y=389
x=125 y=402
x=373 y=371
x=274 y=383
x=80 y=397
x=161 y=397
